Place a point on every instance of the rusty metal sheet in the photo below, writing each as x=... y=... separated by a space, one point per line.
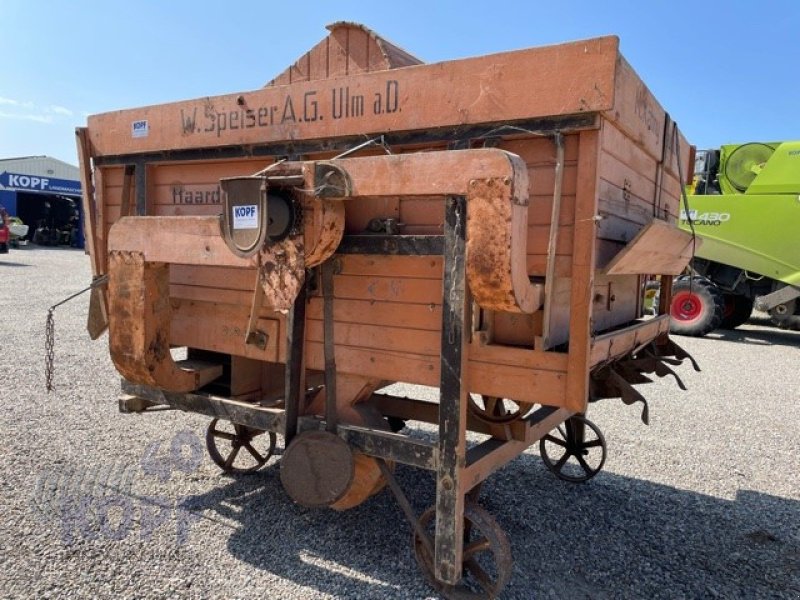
x=282 y=272
x=139 y=319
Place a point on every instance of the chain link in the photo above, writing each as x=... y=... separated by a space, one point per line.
x=49 y=349
x=50 y=331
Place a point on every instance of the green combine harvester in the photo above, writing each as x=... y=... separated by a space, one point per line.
x=744 y=203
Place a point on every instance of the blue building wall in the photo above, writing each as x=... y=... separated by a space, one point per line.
x=8 y=199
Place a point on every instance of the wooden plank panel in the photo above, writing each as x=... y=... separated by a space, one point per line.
x=387 y=289
x=618 y=229
x=615 y=301
x=426 y=211
x=361 y=211
x=566 y=79
x=617 y=344
x=538 y=236
x=541 y=150
x=618 y=173
x=414 y=316
x=358 y=51
x=542 y=179
x=215 y=295
x=537 y=265
x=636 y=111
x=659 y=248
x=376 y=61
x=614 y=141
x=318 y=60
x=220 y=277
x=614 y=200
x=393 y=339
x=113 y=176
x=421 y=267
x=518 y=357
x=381 y=364
x=192 y=241
x=518 y=383
x=222 y=328
x=337 y=52
x=299 y=70
x=426 y=292
x=187 y=210
x=541 y=210
x=206 y=172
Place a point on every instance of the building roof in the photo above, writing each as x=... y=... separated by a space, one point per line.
x=40 y=166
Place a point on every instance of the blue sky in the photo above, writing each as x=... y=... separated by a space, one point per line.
x=726 y=71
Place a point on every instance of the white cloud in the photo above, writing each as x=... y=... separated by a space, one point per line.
x=27 y=117
x=12 y=102
x=28 y=111
x=60 y=110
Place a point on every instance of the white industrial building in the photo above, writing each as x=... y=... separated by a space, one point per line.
x=45 y=193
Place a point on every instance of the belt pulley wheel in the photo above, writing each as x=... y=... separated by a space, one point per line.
x=280 y=216
x=317 y=468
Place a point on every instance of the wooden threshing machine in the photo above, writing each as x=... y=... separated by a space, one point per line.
x=485 y=226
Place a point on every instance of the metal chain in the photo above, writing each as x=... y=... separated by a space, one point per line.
x=50 y=331
x=49 y=352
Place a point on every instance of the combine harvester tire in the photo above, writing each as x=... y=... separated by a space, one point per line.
x=697 y=308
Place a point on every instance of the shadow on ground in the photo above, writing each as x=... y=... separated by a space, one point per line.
x=610 y=538
x=772 y=336
x=5 y=263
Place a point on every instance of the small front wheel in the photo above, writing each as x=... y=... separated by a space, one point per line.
x=234 y=448
x=574 y=451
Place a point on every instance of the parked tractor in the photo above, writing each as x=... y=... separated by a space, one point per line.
x=744 y=203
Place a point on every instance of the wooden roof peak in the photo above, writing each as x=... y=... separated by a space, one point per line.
x=350 y=48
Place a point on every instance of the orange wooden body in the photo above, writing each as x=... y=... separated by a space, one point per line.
x=599 y=154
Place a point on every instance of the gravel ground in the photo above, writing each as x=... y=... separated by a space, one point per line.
x=705 y=502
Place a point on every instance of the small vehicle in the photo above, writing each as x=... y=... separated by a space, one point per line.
x=17 y=231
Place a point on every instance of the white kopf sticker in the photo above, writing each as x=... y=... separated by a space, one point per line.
x=245 y=216
x=140 y=129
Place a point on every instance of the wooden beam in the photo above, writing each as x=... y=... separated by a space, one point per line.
x=583 y=270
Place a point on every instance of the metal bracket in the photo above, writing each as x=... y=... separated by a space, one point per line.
x=781 y=296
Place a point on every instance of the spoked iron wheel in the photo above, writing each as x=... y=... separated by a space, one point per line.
x=578 y=447
x=493 y=409
x=238 y=449
x=486 y=561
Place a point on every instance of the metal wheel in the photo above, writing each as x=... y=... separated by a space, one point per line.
x=492 y=409
x=486 y=561
x=580 y=449
x=225 y=442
